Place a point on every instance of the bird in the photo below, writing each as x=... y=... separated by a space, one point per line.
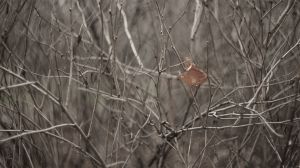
x=193 y=75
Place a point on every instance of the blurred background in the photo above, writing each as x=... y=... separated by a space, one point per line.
x=94 y=83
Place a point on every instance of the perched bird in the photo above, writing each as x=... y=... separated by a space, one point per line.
x=193 y=75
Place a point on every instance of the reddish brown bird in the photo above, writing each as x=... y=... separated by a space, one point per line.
x=193 y=75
